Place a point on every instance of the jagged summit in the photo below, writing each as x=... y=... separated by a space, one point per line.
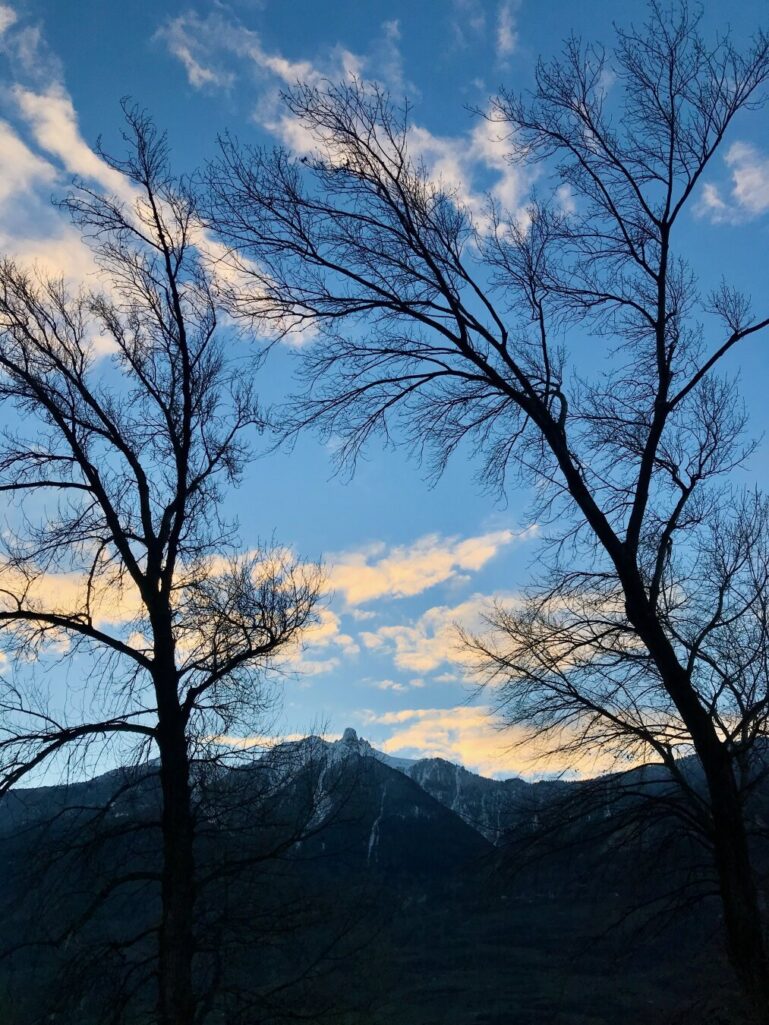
x=349 y=736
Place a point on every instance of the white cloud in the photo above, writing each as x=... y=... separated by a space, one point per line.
x=748 y=195
x=202 y=45
x=181 y=43
x=21 y=170
x=404 y=571
x=392 y=685
x=53 y=121
x=39 y=152
x=8 y=17
x=750 y=177
x=398 y=686
x=467 y=164
x=507 y=33
x=468 y=21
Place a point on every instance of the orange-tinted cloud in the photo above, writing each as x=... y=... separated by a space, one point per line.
x=407 y=570
x=470 y=736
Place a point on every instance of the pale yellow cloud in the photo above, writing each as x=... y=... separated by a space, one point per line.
x=406 y=570
x=470 y=736
x=321 y=647
x=65 y=594
x=433 y=639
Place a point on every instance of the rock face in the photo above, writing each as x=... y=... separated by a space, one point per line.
x=489 y=806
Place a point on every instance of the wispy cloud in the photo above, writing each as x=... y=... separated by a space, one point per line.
x=41 y=147
x=182 y=38
x=8 y=17
x=215 y=52
x=51 y=116
x=507 y=32
x=468 y=21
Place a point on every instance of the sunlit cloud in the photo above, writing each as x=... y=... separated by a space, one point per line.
x=407 y=570
x=322 y=646
x=471 y=736
x=67 y=594
x=433 y=639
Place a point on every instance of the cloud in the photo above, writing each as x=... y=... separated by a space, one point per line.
x=32 y=230
x=748 y=195
x=471 y=737
x=750 y=177
x=202 y=45
x=327 y=631
x=432 y=640
x=21 y=170
x=322 y=646
x=40 y=149
x=468 y=164
x=66 y=593
x=404 y=571
x=507 y=33
x=398 y=687
x=468 y=21
x=182 y=42
x=51 y=116
x=8 y=17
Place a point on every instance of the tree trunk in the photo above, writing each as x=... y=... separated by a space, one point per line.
x=176 y=940
x=745 y=940
x=743 y=925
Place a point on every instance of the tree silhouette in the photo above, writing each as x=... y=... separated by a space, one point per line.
x=448 y=330
x=138 y=451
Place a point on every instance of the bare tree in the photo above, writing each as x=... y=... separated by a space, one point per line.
x=137 y=450
x=80 y=891
x=459 y=332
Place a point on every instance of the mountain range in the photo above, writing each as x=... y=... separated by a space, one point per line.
x=445 y=896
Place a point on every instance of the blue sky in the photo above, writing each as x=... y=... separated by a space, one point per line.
x=405 y=561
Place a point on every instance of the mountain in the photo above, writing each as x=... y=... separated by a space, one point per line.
x=491 y=807
x=391 y=891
